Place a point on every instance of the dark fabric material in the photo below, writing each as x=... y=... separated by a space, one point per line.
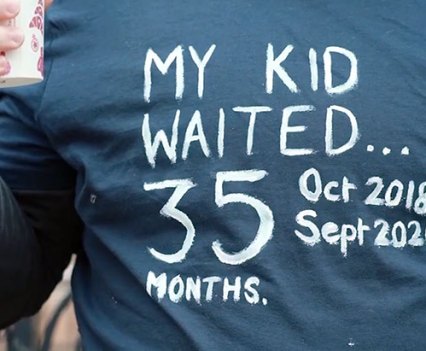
x=41 y=228
x=345 y=265
x=20 y=263
x=38 y=233
x=55 y=223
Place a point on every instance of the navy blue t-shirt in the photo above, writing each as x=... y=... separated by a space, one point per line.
x=251 y=174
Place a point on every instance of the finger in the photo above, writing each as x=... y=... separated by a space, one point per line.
x=10 y=38
x=9 y=9
x=4 y=66
x=48 y=3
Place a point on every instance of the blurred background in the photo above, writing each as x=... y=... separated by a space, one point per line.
x=54 y=328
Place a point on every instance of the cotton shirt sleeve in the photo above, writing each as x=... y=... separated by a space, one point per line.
x=40 y=228
x=27 y=161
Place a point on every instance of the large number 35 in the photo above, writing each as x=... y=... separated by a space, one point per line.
x=182 y=186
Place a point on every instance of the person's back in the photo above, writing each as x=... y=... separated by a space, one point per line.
x=250 y=174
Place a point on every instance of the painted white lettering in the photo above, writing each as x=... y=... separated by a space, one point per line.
x=221 y=133
x=234 y=288
x=253 y=111
x=251 y=294
x=312 y=196
x=352 y=80
x=151 y=147
x=193 y=289
x=160 y=283
x=201 y=64
x=285 y=129
x=211 y=281
x=362 y=228
x=195 y=132
x=328 y=194
x=348 y=233
x=313 y=62
x=329 y=141
x=347 y=186
x=328 y=231
x=169 y=210
x=302 y=221
x=163 y=67
x=273 y=65
x=266 y=218
x=176 y=295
